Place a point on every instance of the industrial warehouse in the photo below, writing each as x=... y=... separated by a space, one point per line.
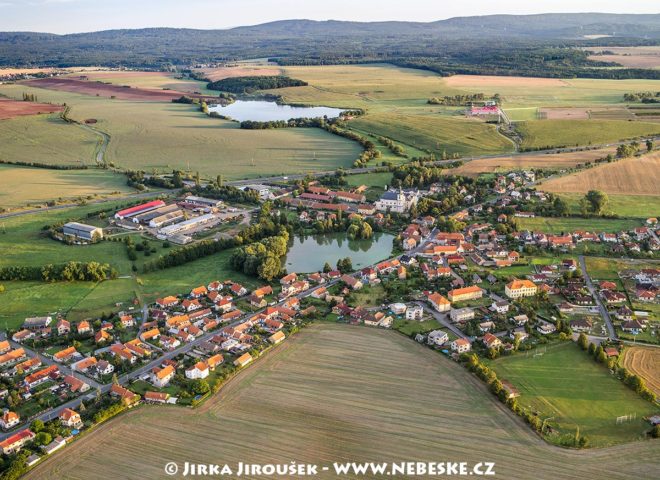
x=81 y=232
x=176 y=222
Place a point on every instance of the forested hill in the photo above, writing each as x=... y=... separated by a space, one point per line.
x=453 y=42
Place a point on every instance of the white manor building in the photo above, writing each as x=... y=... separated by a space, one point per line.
x=397 y=201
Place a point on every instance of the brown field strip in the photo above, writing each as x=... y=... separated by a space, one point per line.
x=553 y=160
x=339 y=393
x=16 y=108
x=103 y=89
x=631 y=176
x=644 y=362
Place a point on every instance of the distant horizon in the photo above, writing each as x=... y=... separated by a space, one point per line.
x=62 y=17
x=301 y=19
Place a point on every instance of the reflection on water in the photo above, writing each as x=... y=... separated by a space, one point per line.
x=308 y=253
x=264 y=111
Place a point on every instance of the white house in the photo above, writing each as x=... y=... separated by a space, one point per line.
x=414 y=312
x=198 y=371
x=437 y=337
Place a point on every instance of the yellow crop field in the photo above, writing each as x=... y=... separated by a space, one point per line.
x=631 y=176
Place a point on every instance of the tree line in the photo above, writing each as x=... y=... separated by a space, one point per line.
x=644 y=97
x=460 y=100
x=44 y=165
x=65 y=272
x=246 y=85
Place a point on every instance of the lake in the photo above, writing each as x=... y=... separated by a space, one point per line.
x=309 y=253
x=264 y=111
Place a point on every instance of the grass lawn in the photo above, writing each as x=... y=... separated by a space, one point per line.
x=371 y=180
x=413 y=327
x=602 y=268
x=558 y=133
x=633 y=206
x=164 y=136
x=368 y=296
x=570 y=224
x=24 y=185
x=568 y=387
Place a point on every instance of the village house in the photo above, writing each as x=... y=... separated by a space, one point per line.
x=198 y=371
x=70 y=418
x=500 y=307
x=127 y=321
x=160 y=377
x=414 y=312
x=13 y=443
x=461 y=314
x=491 y=341
x=166 y=302
x=277 y=337
x=75 y=384
x=63 y=327
x=466 y=293
x=520 y=320
x=581 y=325
x=461 y=345
x=520 y=288
x=129 y=398
x=243 y=360
x=84 y=327
x=156 y=397
x=437 y=337
x=439 y=302
x=545 y=328
x=9 y=420
x=65 y=355
x=351 y=282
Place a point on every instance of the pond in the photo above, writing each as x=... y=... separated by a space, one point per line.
x=265 y=111
x=309 y=253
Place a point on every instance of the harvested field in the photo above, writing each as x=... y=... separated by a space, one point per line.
x=103 y=89
x=337 y=393
x=645 y=362
x=634 y=57
x=531 y=160
x=569 y=113
x=16 y=108
x=214 y=74
x=631 y=176
x=489 y=81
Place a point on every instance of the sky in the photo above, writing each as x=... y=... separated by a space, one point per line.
x=72 y=16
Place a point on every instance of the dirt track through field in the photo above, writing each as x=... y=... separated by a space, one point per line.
x=340 y=393
x=644 y=362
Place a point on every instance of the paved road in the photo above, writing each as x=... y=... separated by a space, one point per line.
x=442 y=319
x=603 y=310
